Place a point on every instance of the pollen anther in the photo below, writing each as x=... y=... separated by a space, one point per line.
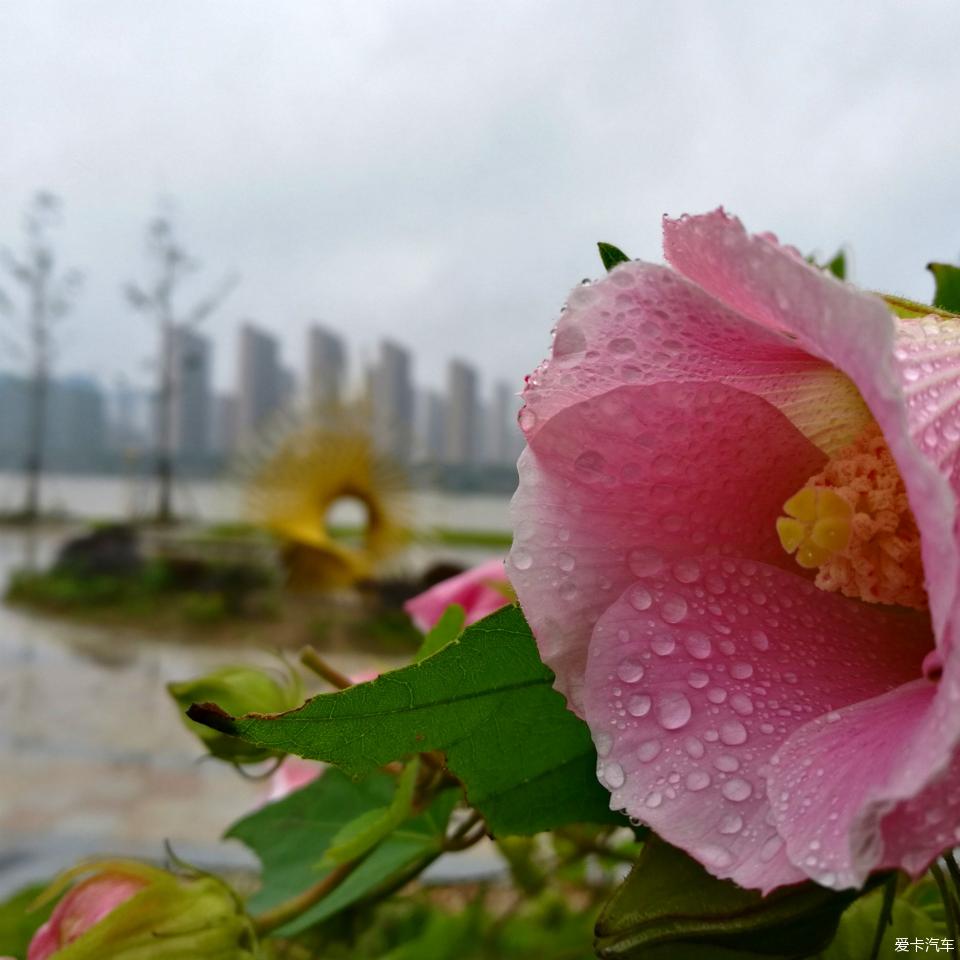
x=853 y=522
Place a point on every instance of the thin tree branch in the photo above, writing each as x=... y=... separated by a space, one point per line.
x=283 y=913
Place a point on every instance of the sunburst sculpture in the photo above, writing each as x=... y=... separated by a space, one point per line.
x=301 y=471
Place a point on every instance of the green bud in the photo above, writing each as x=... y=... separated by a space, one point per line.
x=238 y=691
x=171 y=917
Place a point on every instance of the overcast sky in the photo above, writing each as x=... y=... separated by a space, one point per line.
x=440 y=171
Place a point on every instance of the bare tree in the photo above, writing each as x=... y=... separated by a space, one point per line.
x=47 y=296
x=171 y=265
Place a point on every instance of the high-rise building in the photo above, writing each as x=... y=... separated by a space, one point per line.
x=191 y=398
x=76 y=423
x=504 y=440
x=430 y=442
x=75 y=432
x=223 y=434
x=326 y=368
x=463 y=426
x=130 y=418
x=14 y=403
x=391 y=396
x=259 y=382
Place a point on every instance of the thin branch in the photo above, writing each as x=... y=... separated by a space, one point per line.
x=949 y=905
x=289 y=910
x=311 y=659
x=886 y=914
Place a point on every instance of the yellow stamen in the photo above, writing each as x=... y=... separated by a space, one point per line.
x=853 y=522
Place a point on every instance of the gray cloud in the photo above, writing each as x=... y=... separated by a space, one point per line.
x=440 y=171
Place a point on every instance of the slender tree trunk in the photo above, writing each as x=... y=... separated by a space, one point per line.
x=164 y=464
x=39 y=390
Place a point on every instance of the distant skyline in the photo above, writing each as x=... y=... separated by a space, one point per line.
x=439 y=172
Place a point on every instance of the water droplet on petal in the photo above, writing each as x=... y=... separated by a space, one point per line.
x=686 y=570
x=590 y=465
x=741 y=704
x=673 y=711
x=693 y=747
x=760 y=640
x=733 y=733
x=622 y=346
x=613 y=775
x=645 y=561
x=640 y=598
x=770 y=849
x=630 y=671
x=648 y=750
x=527 y=419
x=603 y=742
x=566 y=562
x=736 y=790
x=522 y=558
x=698 y=780
x=698 y=645
x=732 y=823
x=741 y=671
x=673 y=608
x=726 y=763
x=714 y=856
x=698 y=679
x=639 y=705
x=663 y=646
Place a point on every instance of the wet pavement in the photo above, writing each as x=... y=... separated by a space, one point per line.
x=93 y=757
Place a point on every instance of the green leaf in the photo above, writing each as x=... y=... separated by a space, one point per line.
x=670 y=908
x=611 y=255
x=486 y=700
x=291 y=837
x=838 y=265
x=18 y=923
x=362 y=834
x=445 y=630
x=946 y=294
x=236 y=689
x=918 y=913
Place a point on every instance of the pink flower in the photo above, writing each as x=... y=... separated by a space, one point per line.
x=755 y=712
x=84 y=905
x=479 y=591
x=291 y=775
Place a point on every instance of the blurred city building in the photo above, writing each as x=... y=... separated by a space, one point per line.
x=260 y=382
x=76 y=434
x=192 y=396
x=326 y=368
x=390 y=387
x=456 y=438
x=430 y=427
x=463 y=417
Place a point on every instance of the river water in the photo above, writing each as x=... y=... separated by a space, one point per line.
x=93 y=757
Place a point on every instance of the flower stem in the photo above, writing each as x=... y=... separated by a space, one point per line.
x=290 y=909
x=886 y=914
x=949 y=905
x=950 y=859
x=311 y=659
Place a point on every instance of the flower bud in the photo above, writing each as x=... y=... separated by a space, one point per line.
x=130 y=911
x=237 y=690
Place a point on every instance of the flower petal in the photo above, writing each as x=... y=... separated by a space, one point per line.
x=475 y=590
x=829 y=783
x=857 y=333
x=620 y=485
x=876 y=755
x=697 y=676
x=644 y=324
